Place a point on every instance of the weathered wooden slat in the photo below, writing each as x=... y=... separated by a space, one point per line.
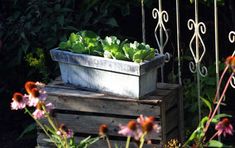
x=59 y=91
x=104 y=106
x=90 y=124
x=84 y=111
x=167 y=86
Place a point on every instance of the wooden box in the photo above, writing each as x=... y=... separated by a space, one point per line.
x=84 y=111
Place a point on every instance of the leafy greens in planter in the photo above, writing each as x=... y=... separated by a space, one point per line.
x=138 y=52
x=84 y=42
x=87 y=42
x=113 y=48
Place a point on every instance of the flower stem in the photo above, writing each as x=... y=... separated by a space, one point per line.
x=108 y=142
x=220 y=81
x=128 y=141
x=218 y=104
x=49 y=118
x=41 y=126
x=214 y=135
x=142 y=140
x=218 y=87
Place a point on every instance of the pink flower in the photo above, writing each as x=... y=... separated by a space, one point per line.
x=147 y=124
x=64 y=131
x=19 y=101
x=36 y=92
x=36 y=95
x=131 y=129
x=224 y=127
x=40 y=112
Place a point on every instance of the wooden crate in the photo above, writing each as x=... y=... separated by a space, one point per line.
x=83 y=112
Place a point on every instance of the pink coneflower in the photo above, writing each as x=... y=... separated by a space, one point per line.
x=130 y=130
x=224 y=127
x=36 y=95
x=64 y=131
x=36 y=92
x=40 y=112
x=230 y=61
x=29 y=85
x=147 y=124
x=103 y=129
x=19 y=101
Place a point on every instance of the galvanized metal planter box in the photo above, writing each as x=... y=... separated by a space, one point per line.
x=108 y=75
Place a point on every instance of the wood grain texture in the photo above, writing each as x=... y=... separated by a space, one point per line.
x=83 y=111
x=90 y=124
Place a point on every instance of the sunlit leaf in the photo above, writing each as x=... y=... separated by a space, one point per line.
x=215 y=143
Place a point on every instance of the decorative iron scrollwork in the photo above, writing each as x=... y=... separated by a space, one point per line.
x=231 y=37
x=198 y=29
x=162 y=17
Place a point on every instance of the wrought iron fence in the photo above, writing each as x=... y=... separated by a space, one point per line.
x=196 y=45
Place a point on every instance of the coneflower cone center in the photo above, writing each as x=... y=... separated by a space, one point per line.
x=132 y=125
x=18 y=97
x=147 y=126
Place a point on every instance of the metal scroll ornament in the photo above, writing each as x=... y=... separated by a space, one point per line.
x=198 y=51
x=197 y=55
x=162 y=17
x=231 y=37
x=159 y=32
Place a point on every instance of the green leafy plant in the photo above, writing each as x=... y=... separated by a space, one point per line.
x=199 y=137
x=87 y=42
x=113 y=48
x=190 y=94
x=138 y=52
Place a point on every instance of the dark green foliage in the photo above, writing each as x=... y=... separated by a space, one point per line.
x=208 y=90
x=30 y=25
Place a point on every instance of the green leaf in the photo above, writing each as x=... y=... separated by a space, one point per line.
x=87 y=141
x=129 y=50
x=28 y=129
x=63 y=45
x=73 y=38
x=215 y=143
x=119 y=56
x=217 y=117
x=208 y=104
x=139 y=56
x=151 y=54
x=111 y=44
x=79 y=48
x=203 y=121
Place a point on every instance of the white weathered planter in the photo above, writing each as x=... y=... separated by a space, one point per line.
x=108 y=75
